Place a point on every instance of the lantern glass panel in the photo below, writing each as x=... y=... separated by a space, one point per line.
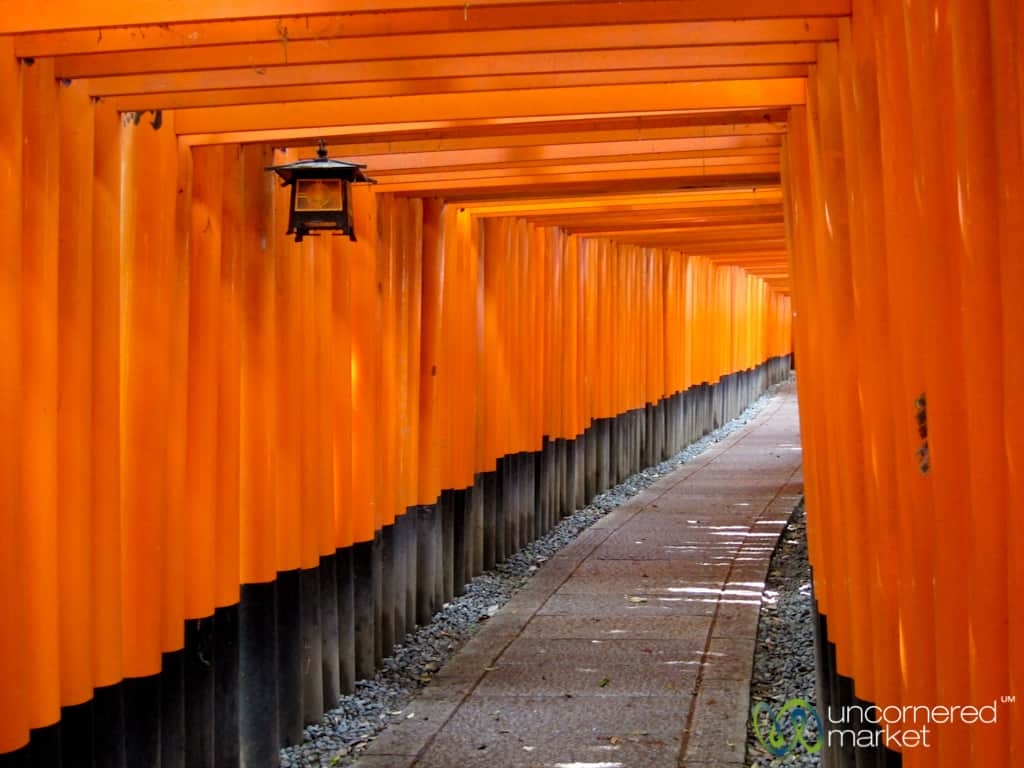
x=318 y=195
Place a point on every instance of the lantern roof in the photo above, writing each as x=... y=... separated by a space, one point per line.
x=320 y=166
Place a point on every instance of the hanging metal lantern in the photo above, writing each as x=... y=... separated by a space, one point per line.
x=320 y=194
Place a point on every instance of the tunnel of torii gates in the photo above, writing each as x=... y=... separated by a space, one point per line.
x=235 y=469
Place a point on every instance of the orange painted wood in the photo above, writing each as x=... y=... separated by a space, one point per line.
x=176 y=155
x=147 y=255
x=728 y=94
x=74 y=390
x=321 y=415
x=14 y=571
x=105 y=497
x=454 y=43
x=1005 y=52
x=290 y=512
x=364 y=317
x=40 y=200
x=387 y=340
x=526 y=128
x=257 y=452
x=205 y=249
x=712 y=175
x=836 y=269
x=902 y=225
x=319 y=89
x=981 y=318
x=66 y=15
x=930 y=67
x=341 y=394
x=480 y=18
x=227 y=539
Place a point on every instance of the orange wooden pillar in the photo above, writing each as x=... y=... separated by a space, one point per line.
x=364 y=318
x=906 y=311
x=434 y=433
x=74 y=415
x=974 y=103
x=841 y=326
x=1006 y=25
x=878 y=366
x=15 y=658
x=387 y=396
x=227 y=566
x=199 y=523
x=149 y=157
x=39 y=303
x=937 y=258
x=342 y=460
x=203 y=379
x=74 y=365
x=106 y=420
x=258 y=710
x=803 y=266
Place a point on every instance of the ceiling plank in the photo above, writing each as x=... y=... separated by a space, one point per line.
x=525 y=184
x=431 y=86
x=440 y=45
x=546 y=154
x=74 y=14
x=495 y=132
x=456 y=67
x=541 y=103
x=465 y=18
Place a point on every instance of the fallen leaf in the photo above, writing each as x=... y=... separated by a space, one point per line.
x=604 y=682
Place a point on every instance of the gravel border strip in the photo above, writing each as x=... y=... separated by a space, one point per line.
x=349 y=728
x=784 y=654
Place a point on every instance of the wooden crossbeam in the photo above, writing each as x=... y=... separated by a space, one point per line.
x=444 y=44
x=473 y=18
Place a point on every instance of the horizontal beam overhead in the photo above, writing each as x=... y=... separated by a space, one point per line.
x=624 y=166
x=613 y=201
x=464 y=18
x=411 y=69
x=509 y=132
x=439 y=45
x=551 y=103
x=526 y=184
x=74 y=14
x=612 y=151
x=433 y=86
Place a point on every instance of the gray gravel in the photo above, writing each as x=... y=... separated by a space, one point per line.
x=784 y=659
x=346 y=730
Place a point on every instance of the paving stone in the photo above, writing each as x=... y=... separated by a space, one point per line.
x=729 y=658
x=608 y=651
x=605 y=680
x=609 y=627
x=410 y=736
x=621 y=605
x=502 y=731
x=718 y=730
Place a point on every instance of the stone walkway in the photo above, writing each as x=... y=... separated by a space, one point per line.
x=632 y=648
